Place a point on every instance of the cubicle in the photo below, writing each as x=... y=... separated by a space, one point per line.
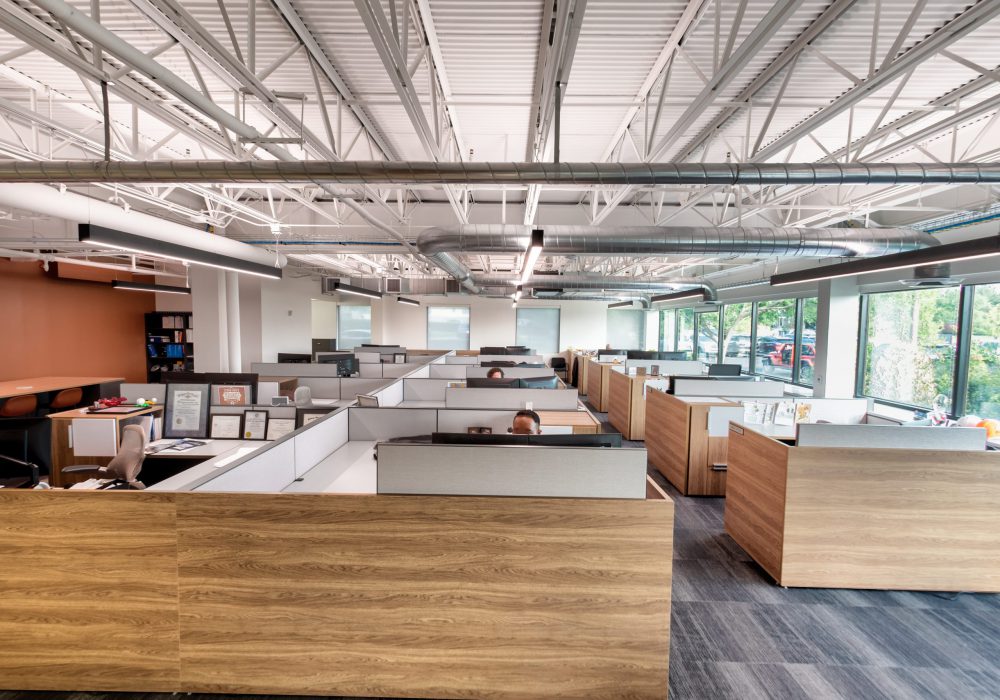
x=627 y=390
x=868 y=506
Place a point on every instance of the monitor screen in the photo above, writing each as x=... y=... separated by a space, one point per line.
x=679 y=355
x=642 y=355
x=724 y=370
x=295 y=357
x=487 y=383
x=538 y=382
x=492 y=350
x=566 y=440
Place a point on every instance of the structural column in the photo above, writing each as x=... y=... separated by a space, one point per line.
x=233 y=321
x=835 y=365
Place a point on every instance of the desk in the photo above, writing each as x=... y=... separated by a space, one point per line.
x=582 y=422
x=208 y=458
x=63 y=454
x=43 y=385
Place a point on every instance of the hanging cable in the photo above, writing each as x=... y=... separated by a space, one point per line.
x=107 y=121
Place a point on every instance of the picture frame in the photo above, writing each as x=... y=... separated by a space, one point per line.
x=255 y=425
x=226 y=426
x=367 y=401
x=232 y=395
x=186 y=411
x=305 y=416
x=279 y=427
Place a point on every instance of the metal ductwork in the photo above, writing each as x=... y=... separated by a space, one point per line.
x=595 y=283
x=675 y=240
x=325 y=173
x=450 y=264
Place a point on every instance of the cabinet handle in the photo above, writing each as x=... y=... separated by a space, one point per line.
x=720 y=467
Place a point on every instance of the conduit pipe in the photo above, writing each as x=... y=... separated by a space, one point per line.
x=325 y=173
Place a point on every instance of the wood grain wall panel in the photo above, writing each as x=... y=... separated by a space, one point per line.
x=425 y=596
x=703 y=453
x=620 y=403
x=755 y=496
x=88 y=591
x=667 y=438
x=582 y=372
x=883 y=518
x=65 y=327
x=597 y=385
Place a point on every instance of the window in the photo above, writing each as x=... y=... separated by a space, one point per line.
x=448 y=327
x=736 y=320
x=774 y=354
x=909 y=345
x=982 y=395
x=354 y=326
x=538 y=329
x=807 y=342
x=707 y=325
x=685 y=330
x=626 y=329
x=668 y=330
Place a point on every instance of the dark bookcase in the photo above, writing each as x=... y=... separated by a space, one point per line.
x=169 y=343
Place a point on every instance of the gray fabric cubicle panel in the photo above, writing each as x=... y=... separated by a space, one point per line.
x=722 y=387
x=512 y=372
x=530 y=359
x=319 y=440
x=269 y=470
x=144 y=391
x=891 y=437
x=322 y=387
x=459 y=420
x=519 y=470
x=393 y=370
x=460 y=360
x=391 y=395
x=388 y=423
x=370 y=370
x=293 y=369
x=448 y=371
x=668 y=367
x=540 y=399
x=415 y=389
x=352 y=386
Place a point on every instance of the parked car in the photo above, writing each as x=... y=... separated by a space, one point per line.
x=781 y=357
x=738 y=346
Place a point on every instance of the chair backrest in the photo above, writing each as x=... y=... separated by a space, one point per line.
x=303 y=396
x=558 y=363
x=67 y=398
x=724 y=370
x=17 y=406
x=131 y=452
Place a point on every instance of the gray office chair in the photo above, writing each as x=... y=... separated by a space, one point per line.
x=124 y=467
x=303 y=397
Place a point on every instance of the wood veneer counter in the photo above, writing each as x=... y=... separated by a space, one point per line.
x=42 y=385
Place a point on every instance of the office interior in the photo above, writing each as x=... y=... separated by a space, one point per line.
x=738 y=262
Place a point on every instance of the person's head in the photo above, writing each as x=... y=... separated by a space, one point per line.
x=527 y=423
x=495 y=373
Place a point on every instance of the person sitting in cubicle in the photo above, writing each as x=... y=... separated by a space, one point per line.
x=495 y=373
x=527 y=423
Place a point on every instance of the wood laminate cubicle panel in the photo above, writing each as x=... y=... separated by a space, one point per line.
x=598 y=378
x=403 y=596
x=627 y=405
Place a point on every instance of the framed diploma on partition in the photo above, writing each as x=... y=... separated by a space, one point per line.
x=231 y=395
x=226 y=427
x=279 y=427
x=186 y=411
x=254 y=425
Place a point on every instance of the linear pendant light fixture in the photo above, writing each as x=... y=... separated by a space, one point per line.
x=138 y=287
x=948 y=252
x=531 y=257
x=120 y=240
x=698 y=294
x=620 y=305
x=338 y=286
x=408 y=302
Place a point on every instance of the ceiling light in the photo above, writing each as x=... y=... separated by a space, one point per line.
x=514 y=304
x=620 y=305
x=161 y=288
x=949 y=252
x=677 y=296
x=517 y=294
x=338 y=286
x=531 y=257
x=120 y=240
x=408 y=302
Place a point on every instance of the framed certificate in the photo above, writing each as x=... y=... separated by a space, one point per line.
x=279 y=427
x=305 y=416
x=226 y=427
x=231 y=395
x=255 y=425
x=186 y=411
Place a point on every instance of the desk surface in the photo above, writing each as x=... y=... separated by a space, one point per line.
x=778 y=432
x=40 y=385
x=211 y=448
x=84 y=413
x=219 y=453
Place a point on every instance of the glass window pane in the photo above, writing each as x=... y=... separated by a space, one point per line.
x=736 y=326
x=626 y=329
x=538 y=329
x=775 y=349
x=685 y=330
x=354 y=326
x=807 y=341
x=668 y=330
x=910 y=346
x=448 y=327
x=708 y=336
x=983 y=395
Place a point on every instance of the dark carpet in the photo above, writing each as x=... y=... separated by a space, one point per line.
x=736 y=635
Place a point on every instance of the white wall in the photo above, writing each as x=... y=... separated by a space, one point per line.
x=324 y=318
x=286 y=316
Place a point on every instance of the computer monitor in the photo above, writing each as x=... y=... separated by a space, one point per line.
x=347 y=366
x=679 y=355
x=303 y=358
x=492 y=350
x=641 y=354
x=538 y=382
x=498 y=363
x=724 y=370
x=518 y=350
x=562 y=440
x=487 y=383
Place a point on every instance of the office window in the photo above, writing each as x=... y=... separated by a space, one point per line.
x=354 y=326
x=982 y=396
x=538 y=329
x=627 y=329
x=909 y=351
x=685 y=330
x=736 y=320
x=807 y=342
x=668 y=330
x=774 y=355
x=707 y=325
x=448 y=327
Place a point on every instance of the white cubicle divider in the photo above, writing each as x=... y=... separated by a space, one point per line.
x=512 y=372
x=391 y=395
x=368 y=358
x=496 y=470
x=367 y=370
x=890 y=437
x=460 y=360
x=529 y=359
x=540 y=399
x=418 y=389
x=448 y=371
x=293 y=369
x=143 y=391
x=268 y=470
x=389 y=423
x=724 y=387
x=666 y=367
x=318 y=440
x=421 y=372
x=352 y=386
x=400 y=369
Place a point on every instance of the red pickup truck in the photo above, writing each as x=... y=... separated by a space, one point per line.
x=781 y=356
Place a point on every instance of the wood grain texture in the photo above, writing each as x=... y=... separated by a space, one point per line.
x=581 y=421
x=667 y=437
x=755 y=496
x=703 y=453
x=597 y=385
x=582 y=364
x=41 y=385
x=620 y=403
x=894 y=519
x=425 y=596
x=88 y=591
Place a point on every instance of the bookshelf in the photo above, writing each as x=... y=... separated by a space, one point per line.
x=169 y=343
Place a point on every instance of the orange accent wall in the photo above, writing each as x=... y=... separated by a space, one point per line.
x=59 y=327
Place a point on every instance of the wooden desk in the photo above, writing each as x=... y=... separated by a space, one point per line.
x=627 y=404
x=43 y=385
x=850 y=517
x=598 y=378
x=679 y=446
x=63 y=454
x=582 y=422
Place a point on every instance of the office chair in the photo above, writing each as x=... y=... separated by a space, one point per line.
x=558 y=365
x=124 y=467
x=22 y=407
x=302 y=397
x=724 y=370
x=67 y=398
x=28 y=478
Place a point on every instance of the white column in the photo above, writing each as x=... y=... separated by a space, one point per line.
x=208 y=303
x=836 y=338
x=233 y=320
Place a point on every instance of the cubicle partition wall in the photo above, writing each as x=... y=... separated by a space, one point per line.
x=695 y=386
x=462 y=360
x=862 y=508
x=598 y=379
x=627 y=403
x=537 y=399
x=512 y=372
x=448 y=371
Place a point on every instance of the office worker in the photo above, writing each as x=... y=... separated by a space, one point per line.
x=527 y=423
x=495 y=373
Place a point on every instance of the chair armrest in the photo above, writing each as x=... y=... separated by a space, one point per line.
x=81 y=468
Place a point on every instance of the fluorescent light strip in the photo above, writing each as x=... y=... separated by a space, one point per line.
x=339 y=286
x=620 y=305
x=408 y=302
x=531 y=257
x=160 y=288
x=677 y=296
x=518 y=293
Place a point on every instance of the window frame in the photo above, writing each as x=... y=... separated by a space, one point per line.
x=557 y=309
x=427 y=317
